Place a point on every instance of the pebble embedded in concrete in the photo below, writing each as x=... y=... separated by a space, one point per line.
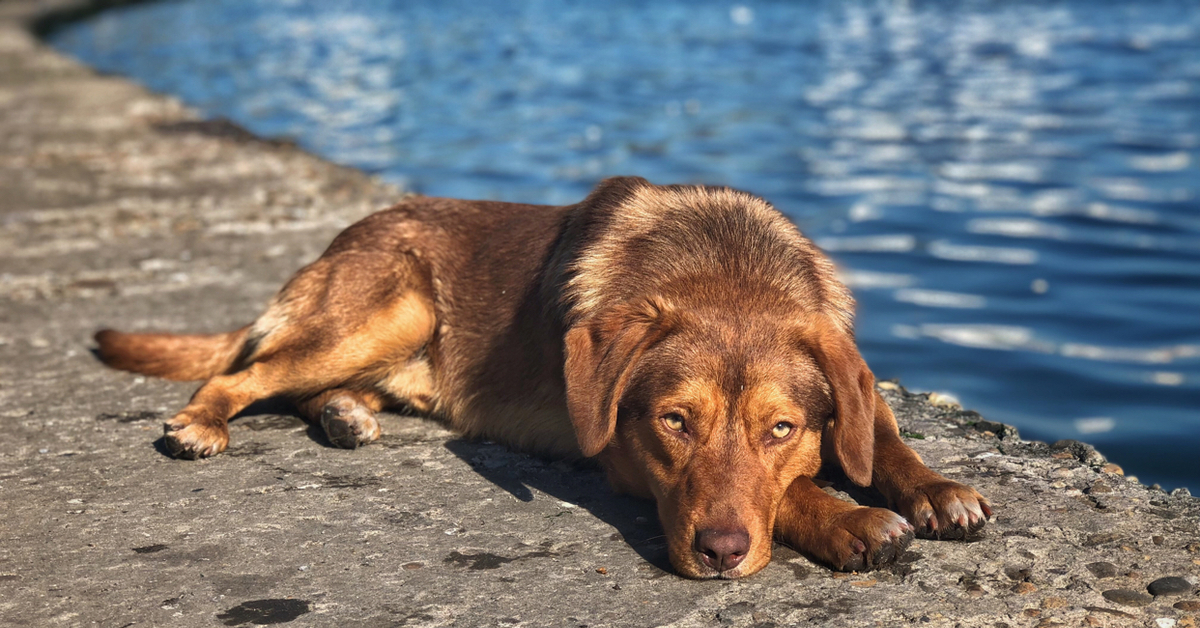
x=1127 y=597
x=1102 y=569
x=1171 y=585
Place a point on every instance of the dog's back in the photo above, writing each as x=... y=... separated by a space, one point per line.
x=502 y=281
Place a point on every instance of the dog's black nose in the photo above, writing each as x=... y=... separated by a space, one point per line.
x=722 y=549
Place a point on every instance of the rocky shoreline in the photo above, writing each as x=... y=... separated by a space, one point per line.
x=124 y=208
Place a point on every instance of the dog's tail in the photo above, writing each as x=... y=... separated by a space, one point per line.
x=173 y=356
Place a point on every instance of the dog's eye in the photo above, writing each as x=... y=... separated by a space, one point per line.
x=781 y=430
x=674 y=422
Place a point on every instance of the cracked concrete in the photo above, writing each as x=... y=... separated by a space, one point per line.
x=123 y=208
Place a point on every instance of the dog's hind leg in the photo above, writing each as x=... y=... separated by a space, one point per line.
x=347 y=416
x=344 y=322
x=201 y=429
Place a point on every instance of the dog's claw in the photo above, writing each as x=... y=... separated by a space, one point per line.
x=927 y=523
x=878 y=538
x=189 y=440
x=887 y=553
x=947 y=509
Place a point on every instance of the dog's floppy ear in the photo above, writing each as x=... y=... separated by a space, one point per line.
x=852 y=429
x=601 y=353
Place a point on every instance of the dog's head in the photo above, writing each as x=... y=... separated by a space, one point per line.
x=709 y=360
x=714 y=414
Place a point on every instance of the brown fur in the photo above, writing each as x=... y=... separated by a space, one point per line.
x=690 y=338
x=173 y=356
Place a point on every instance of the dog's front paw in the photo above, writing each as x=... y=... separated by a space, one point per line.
x=187 y=438
x=864 y=538
x=348 y=423
x=944 y=509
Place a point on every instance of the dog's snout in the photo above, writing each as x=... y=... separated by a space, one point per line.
x=722 y=549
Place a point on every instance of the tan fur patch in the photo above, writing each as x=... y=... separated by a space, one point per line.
x=389 y=337
x=410 y=381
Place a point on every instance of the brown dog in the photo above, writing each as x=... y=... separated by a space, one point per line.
x=690 y=338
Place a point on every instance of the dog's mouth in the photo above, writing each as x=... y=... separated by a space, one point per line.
x=704 y=572
x=732 y=574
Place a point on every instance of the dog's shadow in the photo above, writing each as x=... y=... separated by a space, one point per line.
x=579 y=484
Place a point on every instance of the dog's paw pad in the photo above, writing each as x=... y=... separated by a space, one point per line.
x=349 y=424
x=946 y=510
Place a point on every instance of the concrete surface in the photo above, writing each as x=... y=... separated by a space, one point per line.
x=121 y=208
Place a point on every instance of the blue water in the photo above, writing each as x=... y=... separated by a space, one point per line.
x=1011 y=188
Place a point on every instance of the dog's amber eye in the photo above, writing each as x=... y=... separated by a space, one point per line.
x=781 y=430
x=674 y=422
